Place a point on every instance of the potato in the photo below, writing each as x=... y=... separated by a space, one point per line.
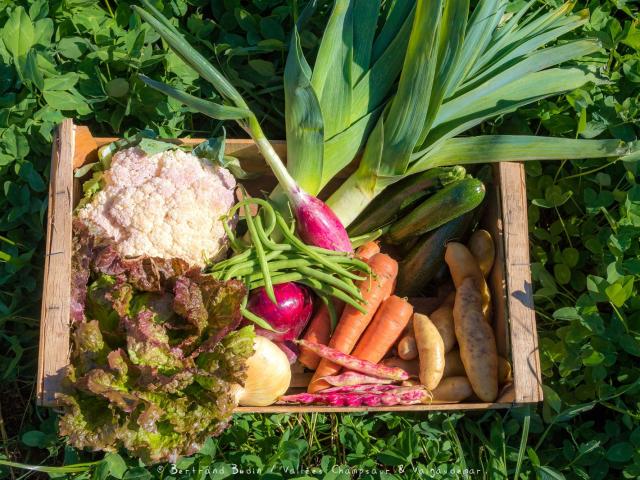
x=412 y=367
x=430 y=350
x=463 y=264
x=407 y=349
x=442 y=318
x=481 y=246
x=452 y=390
x=453 y=366
x=477 y=342
x=504 y=371
x=446 y=292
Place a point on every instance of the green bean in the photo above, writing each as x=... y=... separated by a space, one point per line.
x=301 y=246
x=332 y=291
x=248 y=266
x=367 y=237
x=333 y=316
x=221 y=267
x=277 y=266
x=261 y=322
x=271 y=214
x=333 y=281
x=270 y=244
x=352 y=262
x=260 y=254
x=324 y=251
x=276 y=280
x=236 y=245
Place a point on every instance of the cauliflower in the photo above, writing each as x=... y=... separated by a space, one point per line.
x=164 y=205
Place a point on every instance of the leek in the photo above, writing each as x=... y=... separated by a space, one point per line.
x=486 y=66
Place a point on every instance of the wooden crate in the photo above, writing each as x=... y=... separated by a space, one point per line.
x=510 y=280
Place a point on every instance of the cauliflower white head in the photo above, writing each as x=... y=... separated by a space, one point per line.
x=164 y=205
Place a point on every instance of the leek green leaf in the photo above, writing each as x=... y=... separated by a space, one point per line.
x=482 y=23
x=400 y=14
x=331 y=77
x=304 y=122
x=450 y=40
x=486 y=102
x=411 y=101
x=499 y=64
x=342 y=148
x=364 y=29
x=515 y=148
x=373 y=88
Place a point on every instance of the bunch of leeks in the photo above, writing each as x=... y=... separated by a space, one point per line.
x=460 y=71
x=407 y=79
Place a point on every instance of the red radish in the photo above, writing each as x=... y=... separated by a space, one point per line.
x=317 y=224
x=289 y=316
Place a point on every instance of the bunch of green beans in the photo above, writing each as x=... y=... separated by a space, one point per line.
x=260 y=261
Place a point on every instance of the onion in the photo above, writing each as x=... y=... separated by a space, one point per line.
x=268 y=375
x=289 y=316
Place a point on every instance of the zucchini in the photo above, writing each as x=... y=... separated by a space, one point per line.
x=443 y=206
x=426 y=258
x=385 y=208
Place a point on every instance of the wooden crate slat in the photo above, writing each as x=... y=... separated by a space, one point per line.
x=54 y=318
x=522 y=321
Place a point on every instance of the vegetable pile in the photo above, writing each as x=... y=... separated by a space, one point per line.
x=165 y=337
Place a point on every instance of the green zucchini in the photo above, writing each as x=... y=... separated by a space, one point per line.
x=443 y=206
x=426 y=258
x=386 y=207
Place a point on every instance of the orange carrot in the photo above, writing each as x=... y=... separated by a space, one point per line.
x=318 y=331
x=388 y=324
x=352 y=323
x=368 y=250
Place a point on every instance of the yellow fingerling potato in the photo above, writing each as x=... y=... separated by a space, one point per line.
x=483 y=249
x=453 y=366
x=462 y=264
x=504 y=371
x=412 y=367
x=430 y=351
x=477 y=342
x=452 y=390
x=407 y=349
x=442 y=318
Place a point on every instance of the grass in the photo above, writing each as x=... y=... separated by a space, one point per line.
x=584 y=221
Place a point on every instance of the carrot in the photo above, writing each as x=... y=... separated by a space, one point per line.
x=388 y=324
x=368 y=250
x=352 y=323
x=318 y=331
